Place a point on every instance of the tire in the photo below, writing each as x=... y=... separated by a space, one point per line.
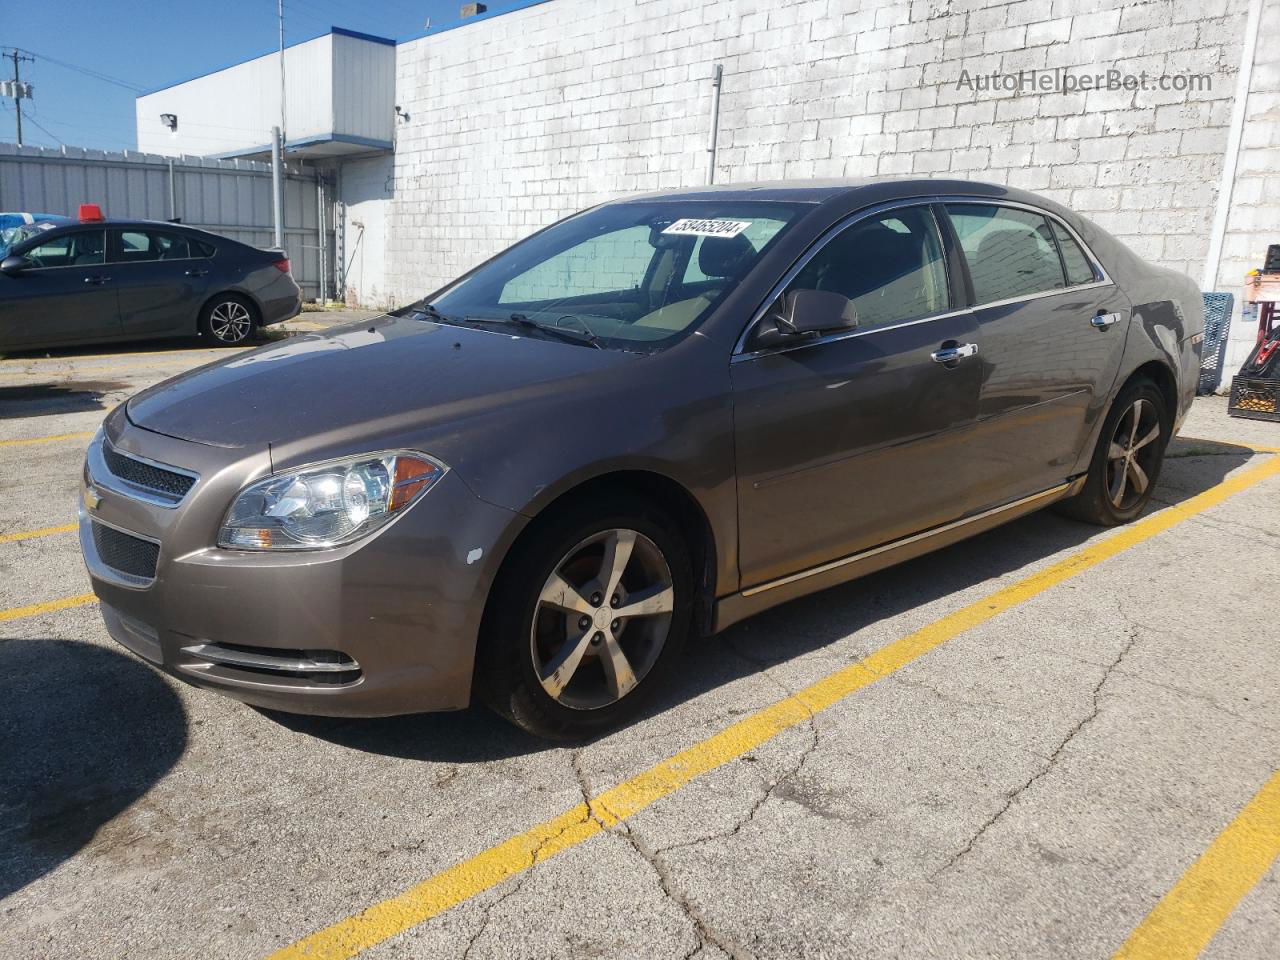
x=540 y=664
x=229 y=320
x=1113 y=493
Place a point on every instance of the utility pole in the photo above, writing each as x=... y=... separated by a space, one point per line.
x=18 y=58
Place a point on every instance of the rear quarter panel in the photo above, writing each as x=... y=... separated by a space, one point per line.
x=1166 y=316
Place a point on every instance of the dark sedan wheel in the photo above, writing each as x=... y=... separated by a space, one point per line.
x=228 y=320
x=586 y=619
x=1127 y=460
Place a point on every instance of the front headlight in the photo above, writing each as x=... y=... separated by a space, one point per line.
x=327 y=504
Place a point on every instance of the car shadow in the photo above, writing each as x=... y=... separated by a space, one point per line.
x=54 y=399
x=84 y=733
x=785 y=632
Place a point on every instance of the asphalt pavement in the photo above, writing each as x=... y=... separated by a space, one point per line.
x=1049 y=741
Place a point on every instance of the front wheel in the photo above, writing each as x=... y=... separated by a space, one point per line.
x=587 y=619
x=228 y=320
x=1127 y=461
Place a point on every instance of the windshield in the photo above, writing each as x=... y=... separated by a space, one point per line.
x=629 y=276
x=10 y=237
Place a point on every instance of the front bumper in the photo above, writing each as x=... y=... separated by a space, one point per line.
x=384 y=626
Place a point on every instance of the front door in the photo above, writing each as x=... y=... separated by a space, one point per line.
x=1052 y=333
x=66 y=295
x=855 y=439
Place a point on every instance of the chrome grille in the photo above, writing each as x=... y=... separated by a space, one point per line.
x=313 y=667
x=125 y=553
x=164 y=483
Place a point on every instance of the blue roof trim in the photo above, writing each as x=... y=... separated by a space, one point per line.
x=511 y=7
x=357 y=35
x=332 y=31
x=308 y=142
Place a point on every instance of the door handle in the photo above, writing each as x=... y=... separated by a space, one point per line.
x=952 y=354
x=197 y=273
x=1104 y=320
x=97 y=280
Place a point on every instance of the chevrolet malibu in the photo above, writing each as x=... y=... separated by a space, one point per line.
x=641 y=424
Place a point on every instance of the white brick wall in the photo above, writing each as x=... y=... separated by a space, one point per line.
x=523 y=118
x=1254 y=218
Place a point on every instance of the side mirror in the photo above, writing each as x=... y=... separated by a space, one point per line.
x=804 y=313
x=12 y=266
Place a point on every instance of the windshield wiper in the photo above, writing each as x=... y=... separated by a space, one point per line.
x=429 y=311
x=584 y=336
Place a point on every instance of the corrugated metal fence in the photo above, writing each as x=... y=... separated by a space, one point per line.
x=228 y=197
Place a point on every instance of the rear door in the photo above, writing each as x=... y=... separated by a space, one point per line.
x=161 y=284
x=66 y=295
x=854 y=439
x=1052 y=330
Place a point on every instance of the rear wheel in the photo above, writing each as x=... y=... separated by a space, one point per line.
x=1127 y=460
x=228 y=320
x=586 y=621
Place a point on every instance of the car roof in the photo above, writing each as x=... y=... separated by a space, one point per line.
x=823 y=191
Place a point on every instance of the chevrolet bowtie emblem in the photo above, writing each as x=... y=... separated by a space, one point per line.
x=91 y=498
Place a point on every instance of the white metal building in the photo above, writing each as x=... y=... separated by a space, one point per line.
x=508 y=121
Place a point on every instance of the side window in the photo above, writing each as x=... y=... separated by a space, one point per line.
x=607 y=263
x=1078 y=267
x=1010 y=252
x=70 y=250
x=140 y=245
x=890 y=266
x=201 y=249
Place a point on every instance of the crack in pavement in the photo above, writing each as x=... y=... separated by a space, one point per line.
x=704 y=934
x=1051 y=760
x=520 y=879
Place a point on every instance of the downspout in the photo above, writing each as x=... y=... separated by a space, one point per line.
x=716 y=77
x=1232 y=156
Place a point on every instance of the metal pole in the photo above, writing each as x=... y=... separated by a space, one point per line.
x=173 y=194
x=324 y=238
x=280 y=13
x=716 y=77
x=277 y=187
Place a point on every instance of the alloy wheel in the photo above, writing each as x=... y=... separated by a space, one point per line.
x=602 y=619
x=1133 y=454
x=230 y=321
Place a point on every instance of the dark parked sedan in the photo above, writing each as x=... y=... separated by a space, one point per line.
x=135 y=280
x=648 y=421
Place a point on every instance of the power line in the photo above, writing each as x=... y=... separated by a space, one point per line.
x=39 y=126
x=96 y=74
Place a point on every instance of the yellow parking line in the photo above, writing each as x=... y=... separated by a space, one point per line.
x=1251 y=447
x=1186 y=918
x=53 y=439
x=53 y=606
x=33 y=534
x=383 y=920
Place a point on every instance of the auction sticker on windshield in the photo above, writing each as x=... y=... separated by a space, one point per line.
x=707 y=228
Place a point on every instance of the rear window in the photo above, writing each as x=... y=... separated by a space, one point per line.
x=1078 y=267
x=1010 y=252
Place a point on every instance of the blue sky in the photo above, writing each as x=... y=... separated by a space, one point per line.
x=145 y=44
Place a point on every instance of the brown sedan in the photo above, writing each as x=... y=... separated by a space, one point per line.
x=645 y=422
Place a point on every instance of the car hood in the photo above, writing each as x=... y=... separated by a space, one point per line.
x=369 y=379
